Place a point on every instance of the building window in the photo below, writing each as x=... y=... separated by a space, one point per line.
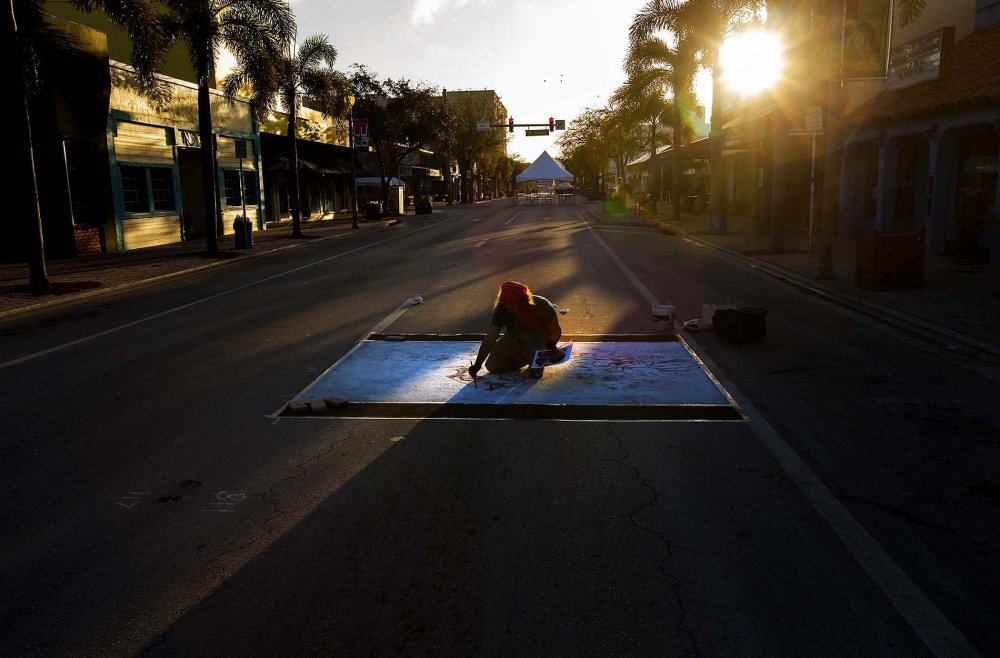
x=231 y=179
x=134 y=189
x=162 y=187
x=250 y=187
x=142 y=184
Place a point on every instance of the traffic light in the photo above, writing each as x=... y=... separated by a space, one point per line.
x=552 y=124
x=510 y=124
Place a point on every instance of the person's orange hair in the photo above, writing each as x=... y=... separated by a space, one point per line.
x=512 y=292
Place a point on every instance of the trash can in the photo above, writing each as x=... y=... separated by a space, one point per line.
x=373 y=210
x=890 y=261
x=243 y=229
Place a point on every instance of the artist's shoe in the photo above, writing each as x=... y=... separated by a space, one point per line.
x=535 y=373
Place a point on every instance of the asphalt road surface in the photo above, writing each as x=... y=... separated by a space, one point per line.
x=154 y=504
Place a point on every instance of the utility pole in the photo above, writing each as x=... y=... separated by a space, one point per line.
x=831 y=144
x=354 y=171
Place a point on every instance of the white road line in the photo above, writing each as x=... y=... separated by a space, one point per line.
x=149 y=318
x=481 y=243
x=516 y=215
x=933 y=627
x=643 y=290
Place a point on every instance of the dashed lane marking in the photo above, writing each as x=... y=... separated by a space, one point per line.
x=203 y=300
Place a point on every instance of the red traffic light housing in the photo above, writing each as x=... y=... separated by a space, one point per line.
x=510 y=124
x=552 y=124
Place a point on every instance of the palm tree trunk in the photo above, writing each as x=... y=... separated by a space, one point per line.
x=293 y=172
x=654 y=186
x=717 y=210
x=210 y=189
x=25 y=189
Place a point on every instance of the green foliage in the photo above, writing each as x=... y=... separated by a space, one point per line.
x=403 y=116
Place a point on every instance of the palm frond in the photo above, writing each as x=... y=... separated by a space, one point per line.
x=143 y=26
x=316 y=50
x=909 y=10
x=655 y=16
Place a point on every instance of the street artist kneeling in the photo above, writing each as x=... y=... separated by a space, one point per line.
x=529 y=323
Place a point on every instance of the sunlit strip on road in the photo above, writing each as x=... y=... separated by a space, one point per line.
x=197 y=302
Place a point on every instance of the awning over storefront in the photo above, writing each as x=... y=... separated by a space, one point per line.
x=377 y=180
x=314 y=156
x=974 y=81
x=696 y=150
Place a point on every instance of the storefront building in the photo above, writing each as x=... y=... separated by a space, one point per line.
x=921 y=156
x=118 y=169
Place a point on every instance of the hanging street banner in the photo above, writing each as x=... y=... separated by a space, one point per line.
x=866 y=38
x=361 y=133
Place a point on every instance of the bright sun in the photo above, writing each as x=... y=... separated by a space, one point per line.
x=752 y=61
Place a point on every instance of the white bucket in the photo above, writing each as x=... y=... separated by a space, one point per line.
x=663 y=317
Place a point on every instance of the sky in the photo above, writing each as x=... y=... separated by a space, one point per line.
x=544 y=59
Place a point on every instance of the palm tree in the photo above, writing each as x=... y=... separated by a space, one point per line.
x=644 y=96
x=622 y=139
x=707 y=22
x=253 y=31
x=25 y=30
x=651 y=63
x=291 y=77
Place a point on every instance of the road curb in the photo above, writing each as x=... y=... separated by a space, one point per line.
x=899 y=320
x=97 y=292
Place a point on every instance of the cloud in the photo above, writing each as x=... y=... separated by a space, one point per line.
x=424 y=10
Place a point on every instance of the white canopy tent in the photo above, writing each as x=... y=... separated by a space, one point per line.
x=546 y=172
x=544 y=168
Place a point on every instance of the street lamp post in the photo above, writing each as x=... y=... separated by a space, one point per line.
x=354 y=172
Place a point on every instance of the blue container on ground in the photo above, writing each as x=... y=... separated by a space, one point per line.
x=243 y=228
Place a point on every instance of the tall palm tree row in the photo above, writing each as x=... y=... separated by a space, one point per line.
x=306 y=72
x=653 y=65
x=706 y=23
x=644 y=96
x=25 y=35
x=254 y=31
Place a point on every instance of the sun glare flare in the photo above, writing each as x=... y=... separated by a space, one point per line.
x=752 y=61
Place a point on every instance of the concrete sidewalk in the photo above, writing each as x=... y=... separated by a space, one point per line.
x=87 y=276
x=959 y=306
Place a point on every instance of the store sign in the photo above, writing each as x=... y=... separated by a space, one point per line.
x=866 y=38
x=920 y=60
x=190 y=138
x=814 y=119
